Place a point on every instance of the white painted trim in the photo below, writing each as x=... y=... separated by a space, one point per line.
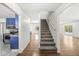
x=58 y=51
x=20 y=51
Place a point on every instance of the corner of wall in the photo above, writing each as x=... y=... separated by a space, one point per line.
x=21 y=50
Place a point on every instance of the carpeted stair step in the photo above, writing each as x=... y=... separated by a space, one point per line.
x=52 y=48
x=43 y=28
x=46 y=36
x=47 y=44
x=47 y=40
x=45 y=33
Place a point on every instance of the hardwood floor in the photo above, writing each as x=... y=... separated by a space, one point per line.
x=69 y=46
x=33 y=49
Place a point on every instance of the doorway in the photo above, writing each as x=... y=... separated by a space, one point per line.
x=68 y=39
x=4 y=45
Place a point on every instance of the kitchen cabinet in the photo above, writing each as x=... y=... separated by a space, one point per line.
x=10 y=21
x=12 y=24
x=14 y=42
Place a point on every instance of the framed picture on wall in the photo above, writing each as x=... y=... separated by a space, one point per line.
x=68 y=28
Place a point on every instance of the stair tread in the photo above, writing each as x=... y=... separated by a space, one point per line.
x=46 y=38
x=44 y=29
x=47 y=43
x=48 y=48
x=46 y=35
x=45 y=32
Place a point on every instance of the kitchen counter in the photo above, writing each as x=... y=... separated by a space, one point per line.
x=14 y=35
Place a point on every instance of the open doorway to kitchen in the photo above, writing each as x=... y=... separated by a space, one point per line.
x=8 y=31
x=4 y=44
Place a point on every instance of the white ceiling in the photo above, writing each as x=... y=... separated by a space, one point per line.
x=5 y=12
x=38 y=7
x=70 y=14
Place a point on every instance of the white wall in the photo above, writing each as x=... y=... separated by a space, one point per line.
x=76 y=29
x=71 y=15
x=44 y=14
x=52 y=25
x=34 y=17
x=54 y=22
x=34 y=21
x=61 y=28
x=3 y=22
x=24 y=33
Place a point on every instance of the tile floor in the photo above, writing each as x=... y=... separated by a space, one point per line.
x=5 y=50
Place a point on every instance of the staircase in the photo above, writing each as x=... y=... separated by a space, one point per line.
x=47 y=41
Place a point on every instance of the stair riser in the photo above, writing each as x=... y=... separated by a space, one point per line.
x=44 y=26
x=45 y=31
x=47 y=39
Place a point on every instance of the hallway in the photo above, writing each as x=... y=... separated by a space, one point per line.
x=69 y=46
x=33 y=49
x=45 y=21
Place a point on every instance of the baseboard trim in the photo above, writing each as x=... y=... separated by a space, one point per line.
x=24 y=48
x=58 y=51
x=76 y=37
